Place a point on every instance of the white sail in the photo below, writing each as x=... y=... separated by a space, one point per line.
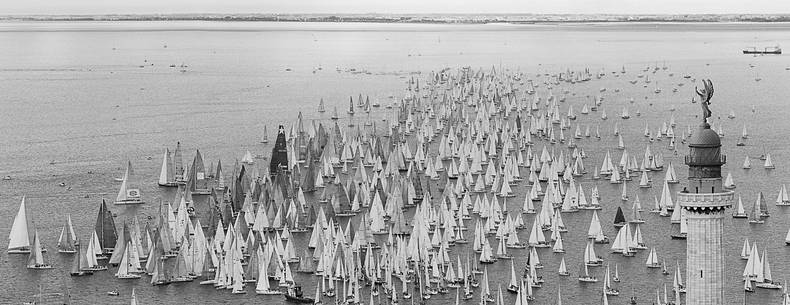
x=19 y=239
x=782 y=198
x=166 y=174
x=745 y=249
x=563 y=269
x=729 y=183
x=129 y=192
x=36 y=258
x=768 y=163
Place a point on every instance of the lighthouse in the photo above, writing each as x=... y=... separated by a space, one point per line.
x=705 y=201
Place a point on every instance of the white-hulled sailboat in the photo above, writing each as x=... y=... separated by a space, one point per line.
x=513 y=286
x=782 y=198
x=130 y=191
x=729 y=183
x=746 y=163
x=563 y=270
x=167 y=174
x=745 y=250
x=584 y=275
x=127 y=268
x=36 y=259
x=652 y=259
x=607 y=284
x=767 y=279
x=740 y=212
x=263 y=286
x=19 y=238
x=677 y=281
x=768 y=163
x=67 y=240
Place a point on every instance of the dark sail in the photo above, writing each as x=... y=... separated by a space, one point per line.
x=619 y=218
x=279 y=153
x=105 y=228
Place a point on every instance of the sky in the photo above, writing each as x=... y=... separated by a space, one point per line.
x=46 y=7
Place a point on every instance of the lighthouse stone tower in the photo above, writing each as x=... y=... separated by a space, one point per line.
x=704 y=201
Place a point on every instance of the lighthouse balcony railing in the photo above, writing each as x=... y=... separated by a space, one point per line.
x=704 y=199
x=693 y=160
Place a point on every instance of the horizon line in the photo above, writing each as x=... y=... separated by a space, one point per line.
x=393 y=14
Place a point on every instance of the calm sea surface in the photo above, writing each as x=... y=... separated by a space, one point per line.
x=78 y=99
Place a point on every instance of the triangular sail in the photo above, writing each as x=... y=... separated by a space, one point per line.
x=19 y=240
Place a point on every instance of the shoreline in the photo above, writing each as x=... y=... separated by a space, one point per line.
x=513 y=19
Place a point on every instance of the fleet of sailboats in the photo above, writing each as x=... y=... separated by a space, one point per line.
x=349 y=190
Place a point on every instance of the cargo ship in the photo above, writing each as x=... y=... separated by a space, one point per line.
x=766 y=50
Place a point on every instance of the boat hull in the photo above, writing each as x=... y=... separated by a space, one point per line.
x=128 y=202
x=19 y=251
x=298 y=299
x=777 y=52
x=268 y=292
x=81 y=273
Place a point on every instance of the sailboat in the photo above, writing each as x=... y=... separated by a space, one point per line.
x=513 y=285
x=563 y=270
x=130 y=191
x=263 y=286
x=105 y=234
x=677 y=281
x=619 y=218
x=160 y=274
x=80 y=264
x=767 y=279
x=36 y=259
x=127 y=268
x=607 y=285
x=584 y=275
x=19 y=240
x=768 y=163
x=652 y=259
x=783 y=198
x=745 y=250
x=729 y=183
x=758 y=210
x=167 y=174
x=67 y=239
x=321 y=107
x=266 y=132
x=350 y=106
x=740 y=212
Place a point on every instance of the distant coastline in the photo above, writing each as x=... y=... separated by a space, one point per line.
x=418 y=18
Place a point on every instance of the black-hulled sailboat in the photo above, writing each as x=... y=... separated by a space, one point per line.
x=279 y=161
